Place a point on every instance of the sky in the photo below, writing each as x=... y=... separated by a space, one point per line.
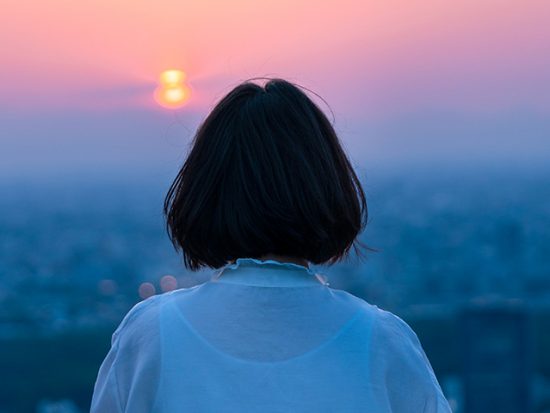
x=406 y=81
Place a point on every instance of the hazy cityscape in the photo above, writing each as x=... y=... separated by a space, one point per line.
x=443 y=109
x=75 y=256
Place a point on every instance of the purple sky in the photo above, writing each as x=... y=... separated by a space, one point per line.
x=410 y=82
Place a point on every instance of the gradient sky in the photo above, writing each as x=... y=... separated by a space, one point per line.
x=407 y=80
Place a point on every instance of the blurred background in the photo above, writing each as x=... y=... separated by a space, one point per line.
x=443 y=108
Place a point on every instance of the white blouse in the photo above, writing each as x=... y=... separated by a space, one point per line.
x=264 y=336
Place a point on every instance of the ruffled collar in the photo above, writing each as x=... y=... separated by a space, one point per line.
x=268 y=273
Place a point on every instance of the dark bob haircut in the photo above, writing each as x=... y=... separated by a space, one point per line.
x=265 y=174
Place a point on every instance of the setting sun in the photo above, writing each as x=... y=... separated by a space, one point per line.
x=172 y=91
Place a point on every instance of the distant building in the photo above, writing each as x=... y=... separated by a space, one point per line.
x=496 y=350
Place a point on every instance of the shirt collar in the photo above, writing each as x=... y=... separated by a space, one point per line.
x=268 y=273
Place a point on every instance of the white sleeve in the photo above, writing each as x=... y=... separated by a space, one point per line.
x=106 y=396
x=404 y=368
x=129 y=372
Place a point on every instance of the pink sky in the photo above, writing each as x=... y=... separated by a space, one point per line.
x=408 y=81
x=365 y=57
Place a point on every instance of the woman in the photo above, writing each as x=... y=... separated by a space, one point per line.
x=265 y=191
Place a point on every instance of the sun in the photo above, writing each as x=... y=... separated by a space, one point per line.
x=172 y=92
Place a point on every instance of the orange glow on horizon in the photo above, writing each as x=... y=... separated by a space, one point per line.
x=172 y=91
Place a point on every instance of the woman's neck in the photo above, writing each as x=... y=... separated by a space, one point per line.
x=285 y=258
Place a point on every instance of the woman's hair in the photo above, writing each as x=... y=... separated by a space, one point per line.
x=266 y=174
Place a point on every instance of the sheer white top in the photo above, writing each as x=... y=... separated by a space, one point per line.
x=264 y=336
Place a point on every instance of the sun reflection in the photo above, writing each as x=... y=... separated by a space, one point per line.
x=172 y=91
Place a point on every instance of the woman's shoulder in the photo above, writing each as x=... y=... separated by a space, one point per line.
x=387 y=329
x=381 y=316
x=397 y=355
x=142 y=320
